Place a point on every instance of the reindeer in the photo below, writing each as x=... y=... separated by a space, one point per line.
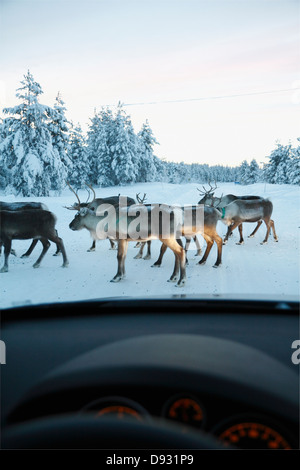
x=20 y=206
x=119 y=225
x=38 y=224
x=239 y=211
x=163 y=248
x=221 y=202
x=96 y=202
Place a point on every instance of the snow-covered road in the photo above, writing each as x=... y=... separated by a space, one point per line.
x=250 y=269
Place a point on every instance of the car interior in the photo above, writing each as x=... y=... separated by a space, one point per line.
x=179 y=372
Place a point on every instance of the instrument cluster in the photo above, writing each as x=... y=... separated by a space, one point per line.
x=242 y=430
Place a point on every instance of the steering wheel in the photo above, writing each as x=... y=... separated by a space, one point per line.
x=88 y=432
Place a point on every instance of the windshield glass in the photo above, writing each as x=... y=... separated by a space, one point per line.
x=164 y=105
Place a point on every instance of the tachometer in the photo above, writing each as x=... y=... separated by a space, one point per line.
x=185 y=409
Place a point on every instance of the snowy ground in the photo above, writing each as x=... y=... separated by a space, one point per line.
x=250 y=269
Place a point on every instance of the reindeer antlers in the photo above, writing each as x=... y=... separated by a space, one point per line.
x=75 y=206
x=139 y=200
x=210 y=190
x=90 y=186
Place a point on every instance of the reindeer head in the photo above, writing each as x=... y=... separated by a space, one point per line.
x=207 y=195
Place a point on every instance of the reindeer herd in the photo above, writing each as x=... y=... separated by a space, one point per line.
x=113 y=218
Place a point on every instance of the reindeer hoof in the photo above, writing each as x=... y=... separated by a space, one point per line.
x=216 y=265
x=147 y=257
x=172 y=279
x=4 y=269
x=25 y=256
x=56 y=254
x=65 y=265
x=155 y=265
x=250 y=236
x=115 y=279
x=91 y=249
x=180 y=283
x=263 y=243
x=138 y=256
x=239 y=243
x=13 y=252
x=225 y=242
x=36 y=265
x=202 y=262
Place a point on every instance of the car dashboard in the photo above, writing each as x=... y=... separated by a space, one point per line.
x=151 y=373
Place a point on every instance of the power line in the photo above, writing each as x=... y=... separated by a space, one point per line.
x=218 y=97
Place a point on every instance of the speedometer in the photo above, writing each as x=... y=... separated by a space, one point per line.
x=253 y=434
x=119 y=407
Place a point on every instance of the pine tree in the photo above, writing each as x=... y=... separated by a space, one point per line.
x=78 y=155
x=146 y=165
x=59 y=128
x=254 y=172
x=33 y=165
x=244 y=172
x=123 y=150
x=276 y=170
x=293 y=169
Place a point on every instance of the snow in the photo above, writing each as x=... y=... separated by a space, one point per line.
x=251 y=269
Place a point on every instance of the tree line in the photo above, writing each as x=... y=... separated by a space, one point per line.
x=40 y=149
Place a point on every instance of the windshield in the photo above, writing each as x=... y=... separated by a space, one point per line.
x=163 y=104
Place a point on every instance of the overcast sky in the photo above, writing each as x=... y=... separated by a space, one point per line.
x=99 y=52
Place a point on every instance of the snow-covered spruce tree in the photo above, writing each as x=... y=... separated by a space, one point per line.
x=100 y=160
x=59 y=128
x=244 y=172
x=4 y=170
x=293 y=168
x=276 y=170
x=254 y=172
x=123 y=151
x=33 y=163
x=146 y=165
x=77 y=151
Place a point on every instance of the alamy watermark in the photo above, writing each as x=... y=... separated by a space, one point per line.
x=141 y=221
x=296 y=354
x=2 y=352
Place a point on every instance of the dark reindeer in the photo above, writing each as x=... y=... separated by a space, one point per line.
x=209 y=199
x=38 y=224
x=20 y=206
x=118 y=228
x=239 y=211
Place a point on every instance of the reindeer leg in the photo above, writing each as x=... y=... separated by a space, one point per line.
x=157 y=263
x=56 y=239
x=122 y=250
x=219 y=243
x=58 y=250
x=7 y=249
x=148 y=255
x=93 y=247
x=46 y=245
x=30 y=249
x=229 y=231
x=140 y=253
x=268 y=225
x=255 y=230
x=179 y=267
x=273 y=229
x=199 y=251
x=112 y=244
x=241 y=242
x=209 y=244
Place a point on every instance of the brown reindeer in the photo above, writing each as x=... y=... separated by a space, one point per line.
x=23 y=225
